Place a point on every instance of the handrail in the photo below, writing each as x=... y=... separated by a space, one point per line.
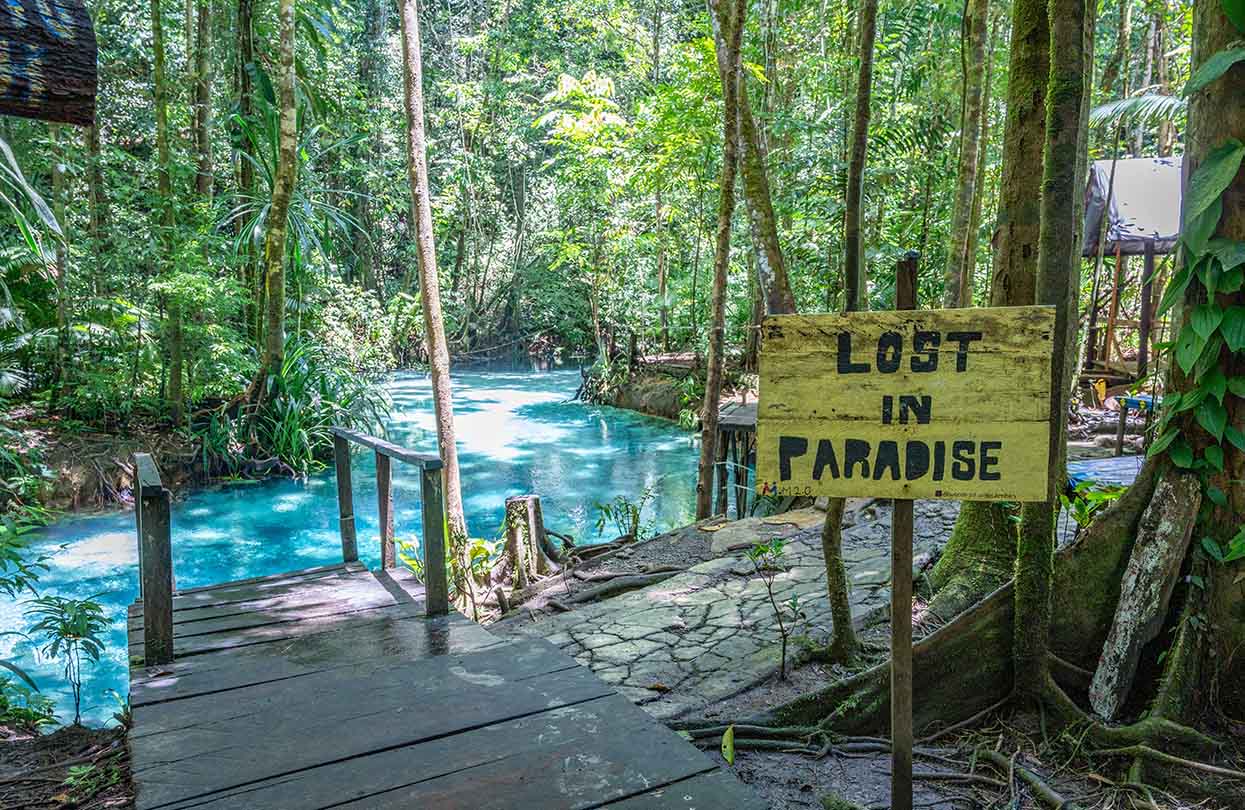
x=436 y=587
x=155 y=560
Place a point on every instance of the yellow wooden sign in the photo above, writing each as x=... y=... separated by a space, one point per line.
x=951 y=403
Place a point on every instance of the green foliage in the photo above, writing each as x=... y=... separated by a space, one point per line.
x=1087 y=499
x=625 y=516
x=71 y=629
x=22 y=707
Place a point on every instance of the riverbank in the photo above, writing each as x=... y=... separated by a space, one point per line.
x=71 y=767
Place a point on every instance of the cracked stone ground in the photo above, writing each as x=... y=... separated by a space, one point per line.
x=710 y=632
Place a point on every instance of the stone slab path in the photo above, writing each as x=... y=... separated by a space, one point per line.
x=710 y=632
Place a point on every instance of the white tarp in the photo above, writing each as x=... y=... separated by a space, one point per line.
x=1145 y=205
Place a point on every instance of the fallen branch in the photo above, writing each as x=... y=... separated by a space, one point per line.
x=1045 y=792
x=618 y=585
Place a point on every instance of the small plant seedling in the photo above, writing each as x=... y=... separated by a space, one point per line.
x=766 y=560
x=71 y=629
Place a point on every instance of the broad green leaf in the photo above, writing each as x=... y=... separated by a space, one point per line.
x=728 y=745
x=1214 y=457
x=1189 y=348
x=1234 y=10
x=1198 y=229
x=1233 y=328
x=1215 y=384
x=1236 y=547
x=1212 y=549
x=1175 y=289
x=1210 y=357
x=1229 y=252
x=1211 y=179
x=1214 y=67
x=1235 y=437
x=1160 y=444
x=1237 y=386
x=1205 y=319
x=1192 y=399
x=1213 y=417
x=1231 y=280
x=1181 y=454
x=18 y=180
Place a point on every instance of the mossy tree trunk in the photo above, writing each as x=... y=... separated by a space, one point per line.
x=164 y=190
x=981 y=552
x=282 y=191
x=1058 y=283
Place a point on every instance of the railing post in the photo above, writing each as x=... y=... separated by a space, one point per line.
x=156 y=561
x=436 y=588
x=345 y=499
x=384 y=507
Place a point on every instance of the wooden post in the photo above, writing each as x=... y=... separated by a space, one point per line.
x=384 y=508
x=156 y=555
x=901 y=598
x=1123 y=425
x=345 y=500
x=1143 y=332
x=436 y=588
x=722 y=471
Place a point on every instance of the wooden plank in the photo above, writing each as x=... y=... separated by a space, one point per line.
x=223 y=591
x=943 y=404
x=281 y=631
x=48 y=61
x=406 y=635
x=571 y=757
x=346 y=594
x=264 y=734
x=706 y=791
x=429 y=461
x=383 y=684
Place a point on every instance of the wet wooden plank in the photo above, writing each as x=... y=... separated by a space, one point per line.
x=267 y=732
x=406 y=636
x=280 y=631
x=356 y=591
x=705 y=791
x=589 y=746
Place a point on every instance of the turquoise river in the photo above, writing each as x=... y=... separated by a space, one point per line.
x=517 y=433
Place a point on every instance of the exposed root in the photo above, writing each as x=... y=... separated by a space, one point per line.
x=1049 y=796
x=1146 y=752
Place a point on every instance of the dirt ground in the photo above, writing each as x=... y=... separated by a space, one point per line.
x=73 y=768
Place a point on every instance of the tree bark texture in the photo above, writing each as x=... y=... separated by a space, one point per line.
x=203 y=99
x=282 y=190
x=1064 y=164
x=727 y=28
x=958 y=291
x=853 y=251
x=429 y=286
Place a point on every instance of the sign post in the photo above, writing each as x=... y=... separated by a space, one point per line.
x=901 y=599
x=906 y=404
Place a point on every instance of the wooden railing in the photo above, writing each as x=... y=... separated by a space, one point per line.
x=155 y=560
x=436 y=586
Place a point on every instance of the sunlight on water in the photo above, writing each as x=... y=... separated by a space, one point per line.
x=517 y=433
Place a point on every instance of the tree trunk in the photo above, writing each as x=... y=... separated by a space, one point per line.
x=1058 y=284
x=252 y=310
x=203 y=100
x=1167 y=131
x=1216 y=117
x=958 y=291
x=282 y=190
x=1119 y=60
x=979 y=556
x=430 y=294
x=164 y=189
x=371 y=78
x=97 y=198
x=853 y=252
x=62 y=259
x=983 y=149
x=727 y=28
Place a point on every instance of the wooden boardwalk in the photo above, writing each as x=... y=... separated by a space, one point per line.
x=331 y=688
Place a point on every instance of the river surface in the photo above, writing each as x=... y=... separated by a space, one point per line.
x=518 y=433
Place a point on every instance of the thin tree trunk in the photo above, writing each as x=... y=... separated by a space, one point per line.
x=282 y=190
x=430 y=294
x=1058 y=284
x=62 y=263
x=983 y=150
x=164 y=188
x=1167 y=131
x=853 y=253
x=97 y=198
x=728 y=30
x=958 y=290
x=203 y=100
x=1119 y=59
x=371 y=78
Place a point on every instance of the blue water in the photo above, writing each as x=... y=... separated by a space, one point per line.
x=517 y=434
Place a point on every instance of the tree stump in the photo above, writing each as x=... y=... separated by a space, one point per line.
x=1163 y=538
x=528 y=546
